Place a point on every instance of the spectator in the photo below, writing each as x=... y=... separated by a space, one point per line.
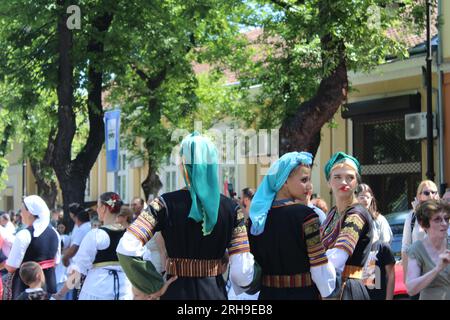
x=246 y=200
x=446 y=195
x=80 y=217
x=32 y=275
x=56 y=217
x=97 y=259
x=412 y=231
x=380 y=276
x=429 y=258
x=39 y=242
x=125 y=216
x=137 y=205
x=381 y=227
x=5 y=221
x=18 y=222
x=61 y=270
x=320 y=203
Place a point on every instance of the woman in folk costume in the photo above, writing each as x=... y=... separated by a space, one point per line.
x=284 y=234
x=198 y=225
x=97 y=259
x=347 y=231
x=39 y=242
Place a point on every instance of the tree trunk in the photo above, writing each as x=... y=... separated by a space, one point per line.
x=302 y=131
x=152 y=184
x=46 y=187
x=7 y=133
x=72 y=174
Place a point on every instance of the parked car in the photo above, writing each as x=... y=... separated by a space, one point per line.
x=396 y=221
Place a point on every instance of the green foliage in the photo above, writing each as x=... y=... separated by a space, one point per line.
x=304 y=40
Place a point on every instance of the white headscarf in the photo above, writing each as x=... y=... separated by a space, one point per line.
x=37 y=207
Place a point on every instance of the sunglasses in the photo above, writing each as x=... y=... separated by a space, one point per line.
x=427 y=193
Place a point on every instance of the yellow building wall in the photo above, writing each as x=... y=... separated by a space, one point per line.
x=445 y=18
x=337 y=139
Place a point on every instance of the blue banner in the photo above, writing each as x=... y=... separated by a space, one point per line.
x=112 y=135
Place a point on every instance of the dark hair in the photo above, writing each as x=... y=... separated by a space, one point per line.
x=248 y=192
x=79 y=212
x=427 y=209
x=29 y=272
x=126 y=212
x=112 y=201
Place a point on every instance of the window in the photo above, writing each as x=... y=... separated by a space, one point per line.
x=122 y=176
x=169 y=176
x=390 y=164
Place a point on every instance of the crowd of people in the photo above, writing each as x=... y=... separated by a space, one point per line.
x=279 y=241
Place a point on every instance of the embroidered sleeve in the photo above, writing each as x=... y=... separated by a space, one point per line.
x=239 y=239
x=315 y=248
x=143 y=228
x=352 y=228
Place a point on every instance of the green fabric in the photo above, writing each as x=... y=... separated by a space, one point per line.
x=200 y=161
x=141 y=273
x=255 y=285
x=339 y=157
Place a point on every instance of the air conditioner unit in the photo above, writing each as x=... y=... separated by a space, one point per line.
x=416 y=126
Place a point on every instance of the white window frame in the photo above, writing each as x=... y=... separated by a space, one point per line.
x=122 y=176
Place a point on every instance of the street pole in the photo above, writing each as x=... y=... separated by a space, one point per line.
x=430 y=158
x=24 y=178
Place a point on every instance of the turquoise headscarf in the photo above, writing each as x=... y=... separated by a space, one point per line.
x=277 y=175
x=339 y=157
x=200 y=162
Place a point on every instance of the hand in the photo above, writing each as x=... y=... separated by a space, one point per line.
x=157 y=295
x=57 y=296
x=444 y=260
x=139 y=295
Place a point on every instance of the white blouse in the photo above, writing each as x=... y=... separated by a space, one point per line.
x=20 y=246
x=99 y=282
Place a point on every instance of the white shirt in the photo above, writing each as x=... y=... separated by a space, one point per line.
x=20 y=246
x=99 y=283
x=409 y=238
x=79 y=232
x=10 y=227
x=8 y=239
x=320 y=213
x=383 y=229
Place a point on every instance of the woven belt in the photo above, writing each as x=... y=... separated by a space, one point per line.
x=194 y=268
x=106 y=264
x=354 y=272
x=47 y=264
x=287 y=281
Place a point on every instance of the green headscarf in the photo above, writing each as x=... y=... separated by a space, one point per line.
x=339 y=157
x=202 y=178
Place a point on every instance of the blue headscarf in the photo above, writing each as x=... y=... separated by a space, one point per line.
x=200 y=162
x=271 y=184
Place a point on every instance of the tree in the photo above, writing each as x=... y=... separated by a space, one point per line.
x=157 y=90
x=308 y=47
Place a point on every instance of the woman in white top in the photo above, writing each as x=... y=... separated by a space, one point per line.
x=80 y=217
x=380 y=225
x=97 y=259
x=412 y=231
